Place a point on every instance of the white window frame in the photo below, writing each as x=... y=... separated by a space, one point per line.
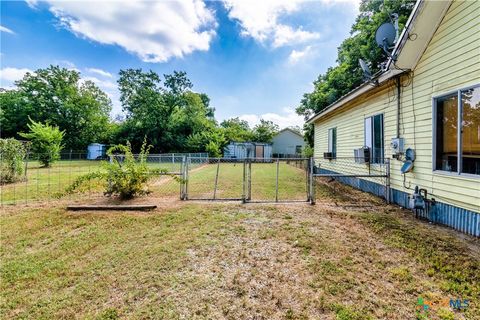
x=459 y=132
x=368 y=137
x=330 y=142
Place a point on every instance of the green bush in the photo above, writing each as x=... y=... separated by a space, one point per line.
x=12 y=154
x=46 y=142
x=307 y=151
x=126 y=176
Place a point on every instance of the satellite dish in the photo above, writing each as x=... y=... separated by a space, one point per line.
x=407 y=166
x=409 y=160
x=366 y=70
x=410 y=154
x=385 y=36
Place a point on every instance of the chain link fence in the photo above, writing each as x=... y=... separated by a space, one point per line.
x=199 y=177
x=45 y=184
x=366 y=176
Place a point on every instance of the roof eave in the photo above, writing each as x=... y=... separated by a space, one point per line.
x=363 y=88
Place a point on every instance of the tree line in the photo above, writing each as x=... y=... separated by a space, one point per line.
x=163 y=110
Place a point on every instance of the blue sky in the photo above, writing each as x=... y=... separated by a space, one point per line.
x=255 y=59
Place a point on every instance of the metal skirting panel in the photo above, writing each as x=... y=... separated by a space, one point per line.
x=457 y=218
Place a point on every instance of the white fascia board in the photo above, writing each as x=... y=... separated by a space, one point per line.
x=354 y=94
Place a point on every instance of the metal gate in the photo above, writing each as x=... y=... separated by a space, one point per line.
x=248 y=180
x=279 y=180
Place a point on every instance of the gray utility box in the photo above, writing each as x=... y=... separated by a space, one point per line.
x=397 y=145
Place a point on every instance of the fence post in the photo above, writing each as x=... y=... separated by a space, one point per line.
x=249 y=182
x=387 y=181
x=25 y=177
x=312 y=184
x=187 y=167
x=216 y=181
x=276 y=182
x=244 y=182
x=182 y=176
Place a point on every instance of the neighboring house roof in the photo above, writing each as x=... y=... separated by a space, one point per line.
x=291 y=130
x=419 y=30
x=250 y=142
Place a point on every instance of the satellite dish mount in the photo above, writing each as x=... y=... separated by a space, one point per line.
x=367 y=75
x=386 y=35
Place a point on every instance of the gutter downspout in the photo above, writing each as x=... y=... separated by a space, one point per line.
x=398 y=106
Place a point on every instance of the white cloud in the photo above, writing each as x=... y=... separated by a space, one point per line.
x=67 y=64
x=287 y=118
x=103 y=84
x=295 y=55
x=260 y=20
x=99 y=72
x=9 y=75
x=5 y=29
x=285 y=35
x=153 y=30
x=32 y=3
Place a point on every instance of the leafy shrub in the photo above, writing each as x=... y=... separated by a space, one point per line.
x=307 y=151
x=12 y=153
x=211 y=141
x=126 y=176
x=46 y=142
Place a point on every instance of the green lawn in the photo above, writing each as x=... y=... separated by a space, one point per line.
x=190 y=260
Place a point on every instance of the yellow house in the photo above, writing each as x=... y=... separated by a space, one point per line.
x=428 y=101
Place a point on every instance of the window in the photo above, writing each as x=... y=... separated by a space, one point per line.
x=298 y=149
x=374 y=137
x=332 y=142
x=457 y=132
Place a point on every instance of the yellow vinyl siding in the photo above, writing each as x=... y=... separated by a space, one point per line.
x=450 y=62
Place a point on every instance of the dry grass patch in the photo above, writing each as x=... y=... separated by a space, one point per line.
x=201 y=261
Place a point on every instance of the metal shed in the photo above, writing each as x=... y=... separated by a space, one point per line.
x=96 y=151
x=248 y=150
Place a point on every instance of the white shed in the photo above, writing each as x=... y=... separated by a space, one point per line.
x=287 y=143
x=248 y=150
x=96 y=150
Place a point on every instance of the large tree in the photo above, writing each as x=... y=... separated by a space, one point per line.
x=169 y=115
x=265 y=131
x=236 y=130
x=57 y=96
x=347 y=74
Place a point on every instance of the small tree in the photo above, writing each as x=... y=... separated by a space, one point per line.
x=46 y=142
x=12 y=154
